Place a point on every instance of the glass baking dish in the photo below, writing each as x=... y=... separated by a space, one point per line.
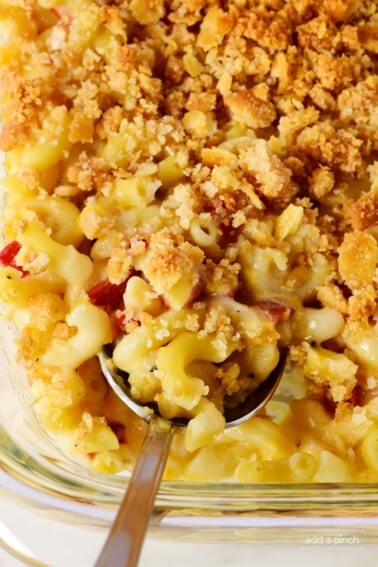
x=38 y=476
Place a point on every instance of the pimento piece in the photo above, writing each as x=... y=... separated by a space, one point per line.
x=9 y=252
x=229 y=233
x=8 y=257
x=275 y=311
x=106 y=295
x=121 y=321
x=356 y=398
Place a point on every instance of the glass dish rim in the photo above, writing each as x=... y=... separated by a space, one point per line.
x=41 y=476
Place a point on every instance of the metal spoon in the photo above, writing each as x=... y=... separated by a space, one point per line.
x=124 y=543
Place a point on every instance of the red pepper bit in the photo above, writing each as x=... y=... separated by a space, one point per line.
x=229 y=233
x=356 y=398
x=121 y=321
x=275 y=311
x=8 y=257
x=107 y=295
x=117 y=323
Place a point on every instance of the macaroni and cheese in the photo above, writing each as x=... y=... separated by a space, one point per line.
x=194 y=182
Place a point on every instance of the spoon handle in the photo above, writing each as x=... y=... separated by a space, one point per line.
x=124 y=543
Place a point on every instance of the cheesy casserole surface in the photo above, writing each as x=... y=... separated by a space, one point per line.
x=195 y=181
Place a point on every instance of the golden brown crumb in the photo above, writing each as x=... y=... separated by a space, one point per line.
x=81 y=129
x=23 y=100
x=357 y=105
x=221 y=278
x=328 y=146
x=358 y=256
x=289 y=126
x=334 y=73
x=63 y=331
x=47 y=309
x=119 y=266
x=170 y=260
x=147 y=11
x=332 y=296
x=364 y=211
x=214 y=27
x=249 y=109
x=367 y=34
x=321 y=182
x=273 y=178
x=362 y=305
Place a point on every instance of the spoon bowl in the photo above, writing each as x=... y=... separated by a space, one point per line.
x=124 y=543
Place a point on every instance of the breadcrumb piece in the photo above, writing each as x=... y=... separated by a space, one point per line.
x=322 y=182
x=339 y=149
x=364 y=211
x=222 y=278
x=249 y=109
x=357 y=261
x=362 y=305
x=81 y=129
x=334 y=72
x=215 y=25
x=331 y=296
x=147 y=11
x=32 y=262
x=273 y=179
x=292 y=124
x=169 y=260
x=367 y=35
x=119 y=266
x=228 y=376
x=358 y=104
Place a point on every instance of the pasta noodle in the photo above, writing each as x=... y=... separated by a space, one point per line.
x=195 y=183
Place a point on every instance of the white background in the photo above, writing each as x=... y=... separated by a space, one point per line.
x=166 y=554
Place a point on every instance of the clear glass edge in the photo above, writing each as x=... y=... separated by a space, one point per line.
x=61 y=485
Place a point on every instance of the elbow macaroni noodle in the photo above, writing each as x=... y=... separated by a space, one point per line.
x=166 y=192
